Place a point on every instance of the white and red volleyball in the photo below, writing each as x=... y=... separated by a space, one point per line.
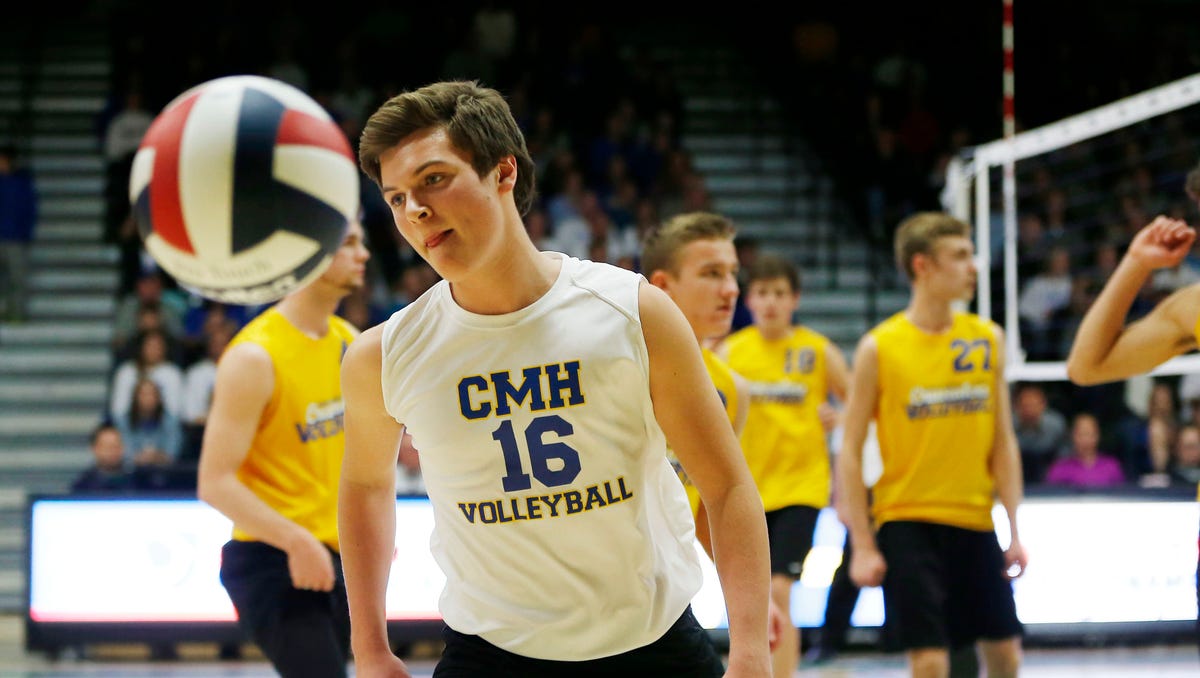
x=242 y=189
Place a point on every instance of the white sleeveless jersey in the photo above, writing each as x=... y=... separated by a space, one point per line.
x=563 y=530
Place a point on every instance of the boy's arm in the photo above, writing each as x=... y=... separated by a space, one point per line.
x=1005 y=461
x=690 y=414
x=867 y=566
x=1104 y=348
x=367 y=501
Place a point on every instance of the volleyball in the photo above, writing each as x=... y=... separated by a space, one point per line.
x=242 y=189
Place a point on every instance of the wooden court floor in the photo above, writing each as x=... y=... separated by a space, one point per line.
x=201 y=661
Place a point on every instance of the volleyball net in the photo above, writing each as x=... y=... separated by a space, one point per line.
x=1054 y=207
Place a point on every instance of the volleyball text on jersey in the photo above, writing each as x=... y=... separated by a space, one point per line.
x=322 y=420
x=925 y=403
x=536 y=507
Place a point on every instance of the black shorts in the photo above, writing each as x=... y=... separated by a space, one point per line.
x=257 y=579
x=790 y=535
x=684 y=651
x=945 y=587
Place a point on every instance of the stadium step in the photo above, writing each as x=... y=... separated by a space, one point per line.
x=54 y=368
x=763 y=177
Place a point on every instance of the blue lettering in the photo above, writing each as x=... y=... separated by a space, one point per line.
x=531 y=387
x=464 y=398
x=570 y=383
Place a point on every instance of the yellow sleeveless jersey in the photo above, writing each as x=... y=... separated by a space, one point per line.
x=936 y=422
x=722 y=378
x=294 y=462
x=784 y=442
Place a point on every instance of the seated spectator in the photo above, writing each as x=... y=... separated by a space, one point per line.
x=1041 y=298
x=1085 y=466
x=1041 y=431
x=199 y=323
x=198 y=383
x=150 y=289
x=151 y=363
x=149 y=318
x=1185 y=462
x=109 y=471
x=1145 y=442
x=152 y=434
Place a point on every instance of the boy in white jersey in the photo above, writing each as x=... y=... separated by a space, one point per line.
x=933 y=380
x=541 y=391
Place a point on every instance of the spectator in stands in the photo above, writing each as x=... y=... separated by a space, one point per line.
x=1065 y=321
x=547 y=141
x=1041 y=297
x=1085 y=466
x=1041 y=431
x=1185 y=462
x=1032 y=245
x=675 y=180
x=495 y=28
x=149 y=318
x=122 y=134
x=150 y=288
x=109 y=471
x=566 y=209
x=1191 y=186
x=198 y=382
x=124 y=131
x=538 y=226
x=152 y=433
x=150 y=363
x=199 y=323
x=1145 y=442
x=18 y=217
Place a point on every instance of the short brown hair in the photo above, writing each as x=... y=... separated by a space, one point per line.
x=661 y=245
x=918 y=233
x=477 y=119
x=769 y=266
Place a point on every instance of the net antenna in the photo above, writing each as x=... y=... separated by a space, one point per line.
x=967 y=185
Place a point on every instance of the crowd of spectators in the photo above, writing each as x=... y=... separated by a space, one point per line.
x=603 y=122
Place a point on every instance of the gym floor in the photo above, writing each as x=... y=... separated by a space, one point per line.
x=201 y=661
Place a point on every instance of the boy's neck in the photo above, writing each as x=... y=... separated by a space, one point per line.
x=929 y=313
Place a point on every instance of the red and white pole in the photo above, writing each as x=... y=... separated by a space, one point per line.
x=1010 y=125
x=1016 y=355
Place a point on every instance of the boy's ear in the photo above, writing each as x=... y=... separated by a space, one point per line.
x=506 y=172
x=658 y=278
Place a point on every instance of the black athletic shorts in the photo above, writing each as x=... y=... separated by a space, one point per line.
x=945 y=587
x=790 y=535
x=257 y=579
x=684 y=651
